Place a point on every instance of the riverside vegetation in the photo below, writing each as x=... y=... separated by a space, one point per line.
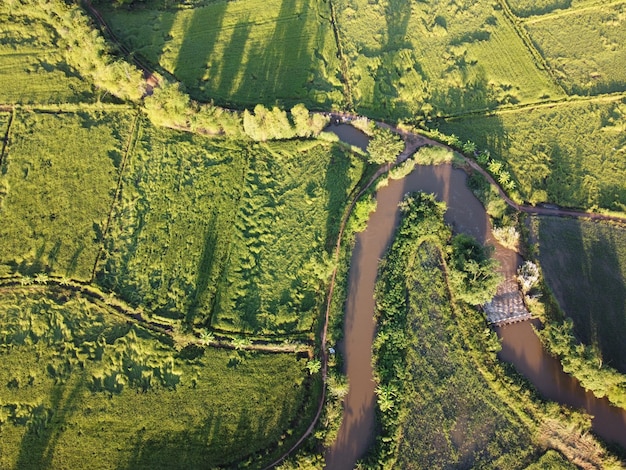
x=143 y=215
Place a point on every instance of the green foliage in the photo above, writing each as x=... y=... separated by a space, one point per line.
x=168 y=105
x=73 y=374
x=584 y=49
x=384 y=146
x=571 y=154
x=435 y=155
x=436 y=408
x=239 y=52
x=474 y=279
x=61 y=173
x=552 y=460
x=265 y=124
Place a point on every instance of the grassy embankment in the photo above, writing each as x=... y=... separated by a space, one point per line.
x=239 y=53
x=80 y=384
x=443 y=397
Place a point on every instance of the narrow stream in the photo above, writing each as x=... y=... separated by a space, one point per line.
x=520 y=345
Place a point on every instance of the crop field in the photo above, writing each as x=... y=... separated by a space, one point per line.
x=81 y=385
x=573 y=154
x=434 y=59
x=58 y=178
x=584 y=264
x=526 y=8
x=241 y=52
x=585 y=49
x=289 y=217
x=228 y=232
x=33 y=68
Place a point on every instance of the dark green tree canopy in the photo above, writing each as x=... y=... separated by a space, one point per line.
x=384 y=146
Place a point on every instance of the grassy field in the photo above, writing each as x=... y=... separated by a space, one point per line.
x=584 y=264
x=429 y=58
x=585 y=49
x=59 y=175
x=240 y=52
x=525 y=8
x=225 y=232
x=33 y=68
x=571 y=154
x=80 y=385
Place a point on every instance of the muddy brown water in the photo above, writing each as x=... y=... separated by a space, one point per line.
x=520 y=345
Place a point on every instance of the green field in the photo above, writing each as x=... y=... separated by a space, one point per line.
x=584 y=264
x=572 y=154
x=585 y=49
x=59 y=175
x=33 y=68
x=81 y=385
x=240 y=52
x=525 y=8
x=429 y=58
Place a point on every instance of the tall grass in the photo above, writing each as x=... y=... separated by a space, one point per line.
x=585 y=49
x=59 y=175
x=240 y=53
x=81 y=386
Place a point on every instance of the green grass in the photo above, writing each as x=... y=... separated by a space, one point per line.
x=584 y=264
x=59 y=175
x=571 y=154
x=585 y=49
x=79 y=385
x=429 y=58
x=241 y=52
x=525 y=8
x=288 y=220
x=171 y=230
x=33 y=67
x=227 y=232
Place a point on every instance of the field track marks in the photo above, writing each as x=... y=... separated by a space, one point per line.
x=347 y=92
x=571 y=11
x=539 y=59
x=133 y=136
x=7 y=134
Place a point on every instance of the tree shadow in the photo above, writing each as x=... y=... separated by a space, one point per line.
x=336 y=185
x=205 y=271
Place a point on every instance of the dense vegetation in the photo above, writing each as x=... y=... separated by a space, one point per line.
x=81 y=385
x=56 y=205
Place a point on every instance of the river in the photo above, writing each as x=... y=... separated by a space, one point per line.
x=520 y=345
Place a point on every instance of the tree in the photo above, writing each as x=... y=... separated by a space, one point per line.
x=314 y=366
x=384 y=146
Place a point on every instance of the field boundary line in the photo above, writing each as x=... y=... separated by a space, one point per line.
x=570 y=11
x=540 y=60
x=7 y=136
x=342 y=58
x=133 y=136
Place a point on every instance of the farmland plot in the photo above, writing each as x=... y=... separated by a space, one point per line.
x=79 y=384
x=241 y=52
x=33 y=68
x=59 y=176
x=571 y=154
x=431 y=59
x=586 y=49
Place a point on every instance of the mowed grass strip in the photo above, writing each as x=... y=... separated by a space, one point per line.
x=172 y=227
x=288 y=220
x=586 y=49
x=584 y=264
x=79 y=385
x=573 y=154
x=59 y=176
x=419 y=58
x=33 y=68
x=241 y=52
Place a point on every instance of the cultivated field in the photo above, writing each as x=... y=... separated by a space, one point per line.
x=59 y=174
x=585 y=49
x=585 y=266
x=33 y=69
x=240 y=52
x=81 y=385
x=427 y=58
x=572 y=154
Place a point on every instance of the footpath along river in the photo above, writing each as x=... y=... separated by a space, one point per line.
x=520 y=345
